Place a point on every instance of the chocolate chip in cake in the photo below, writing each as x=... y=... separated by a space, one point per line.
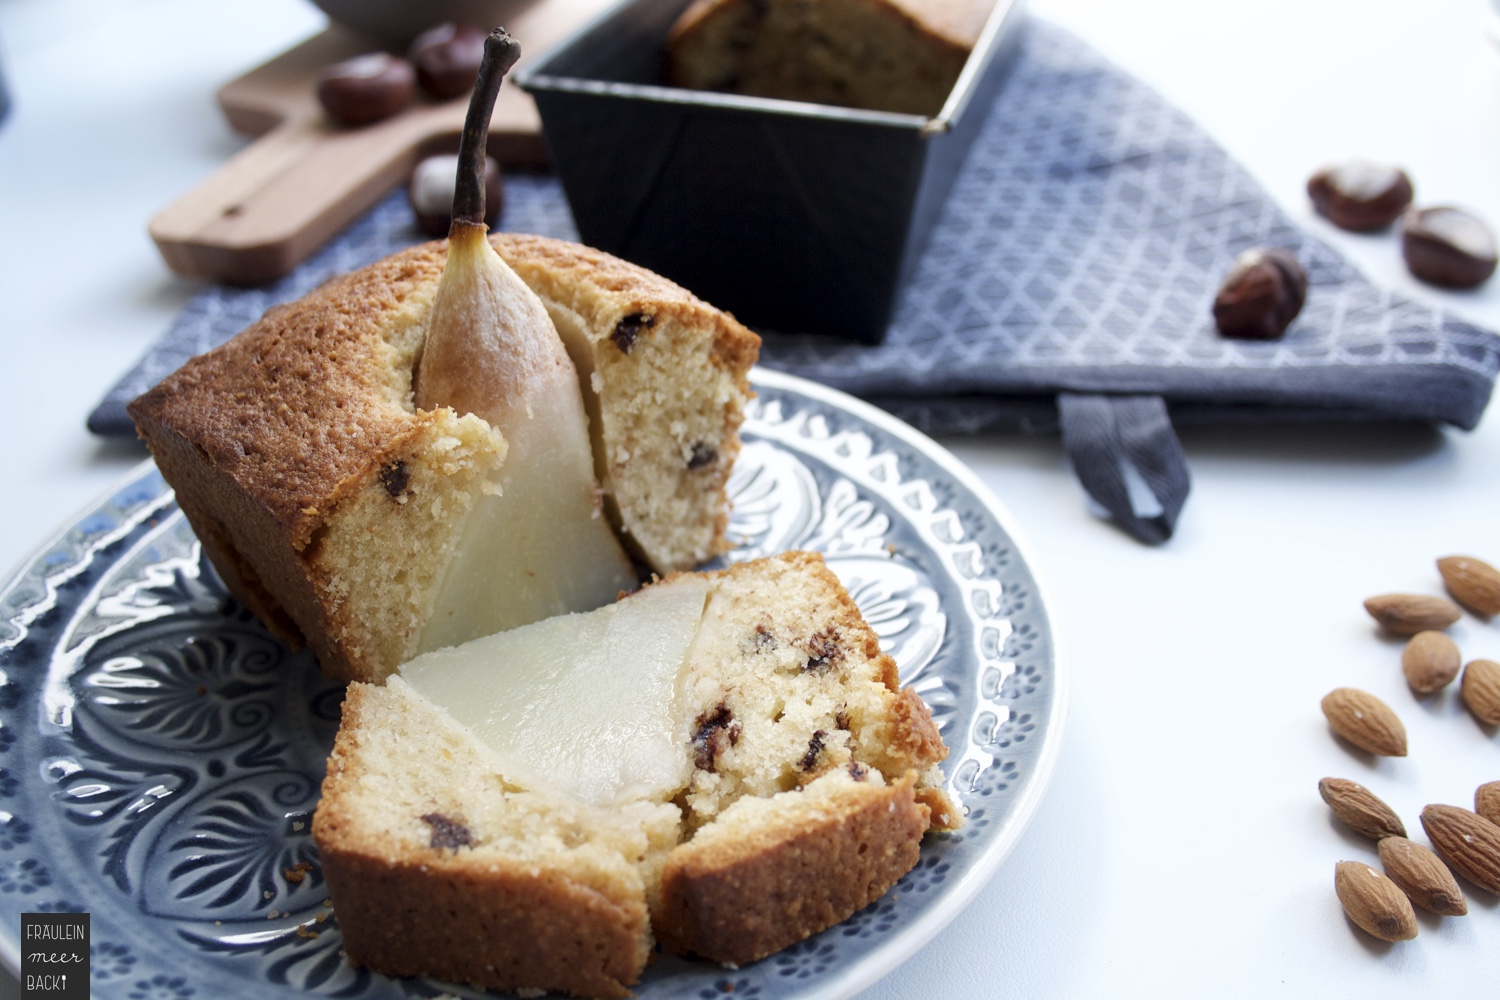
x=841 y=720
x=447 y=834
x=716 y=732
x=702 y=455
x=824 y=649
x=814 y=748
x=1261 y=295
x=395 y=479
x=1448 y=246
x=630 y=328
x=1359 y=195
x=763 y=640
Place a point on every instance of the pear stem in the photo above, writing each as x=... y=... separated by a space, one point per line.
x=500 y=53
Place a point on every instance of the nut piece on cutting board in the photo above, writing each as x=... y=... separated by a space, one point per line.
x=1408 y=614
x=367 y=88
x=1365 y=721
x=447 y=58
x=1467 y=841
x=1473 y=583
x=1422 y=876
x=1360 y=809
x=1375 y=903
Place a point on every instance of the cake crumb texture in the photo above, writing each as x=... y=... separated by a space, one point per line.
x=672 y=381
x=786 y=682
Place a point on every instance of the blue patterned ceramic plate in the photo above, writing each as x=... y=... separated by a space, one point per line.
x=160 y=753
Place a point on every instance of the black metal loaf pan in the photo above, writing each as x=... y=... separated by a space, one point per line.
x=801 y=218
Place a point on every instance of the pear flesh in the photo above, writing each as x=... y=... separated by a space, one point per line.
x=537 y=544
x=587 y=704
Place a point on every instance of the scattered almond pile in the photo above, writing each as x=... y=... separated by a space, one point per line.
x=1381 y=904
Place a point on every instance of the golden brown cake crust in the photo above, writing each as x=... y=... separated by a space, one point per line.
x=268 y=437
x=514 y=930
x=257 y=480
x=317 y=359
x=738 y=900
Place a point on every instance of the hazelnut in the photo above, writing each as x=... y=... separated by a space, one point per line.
x=1359 y=195
x=1448 y=246
x=447 y=58
x=366 y=88
x=431 y=193
x=1261 y=295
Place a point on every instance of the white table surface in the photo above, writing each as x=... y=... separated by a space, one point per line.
x=1182 y=849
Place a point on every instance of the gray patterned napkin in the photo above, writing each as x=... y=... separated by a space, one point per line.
x=1067 y=286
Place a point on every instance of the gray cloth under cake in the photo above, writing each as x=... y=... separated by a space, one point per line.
x=1067 y=286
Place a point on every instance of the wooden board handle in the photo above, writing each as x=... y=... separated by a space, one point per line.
x=298 y=185
x=305 y=178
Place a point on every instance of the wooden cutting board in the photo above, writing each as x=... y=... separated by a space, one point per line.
x=305 y=178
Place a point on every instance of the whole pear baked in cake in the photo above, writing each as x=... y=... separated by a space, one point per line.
x=536 y=544
x=458 y=439
x=721 y=764
x=880 y=55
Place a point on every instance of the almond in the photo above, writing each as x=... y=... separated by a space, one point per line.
x=1357 y=806
x=1473 y=583
x=1430 y=661
x=1467 y=841
x=1366 y=721
x=1375 y=904
x=1422 y=876
x=1481 y=690
x=1408 y=614
x=1487 y=801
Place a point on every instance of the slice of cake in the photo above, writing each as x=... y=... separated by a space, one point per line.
x=721 y=763
x=441 y=865
x=336 y=508
x=881 y=55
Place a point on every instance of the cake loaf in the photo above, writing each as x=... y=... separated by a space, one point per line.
x=880 y=55
x=333 y=506
x=802 y=781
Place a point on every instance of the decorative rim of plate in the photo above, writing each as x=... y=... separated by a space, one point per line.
x=138 y=510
